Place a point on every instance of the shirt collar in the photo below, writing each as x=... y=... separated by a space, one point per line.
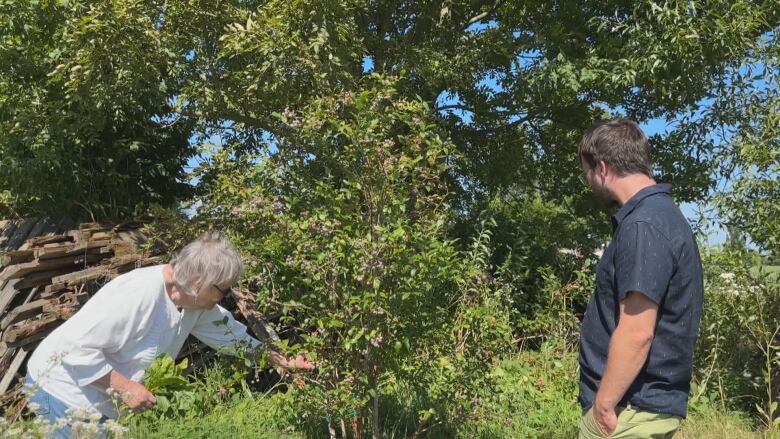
x=634 y=201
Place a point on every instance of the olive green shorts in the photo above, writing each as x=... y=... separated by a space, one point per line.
x=632 y=423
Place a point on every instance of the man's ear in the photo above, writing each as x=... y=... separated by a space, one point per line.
x=602 y=169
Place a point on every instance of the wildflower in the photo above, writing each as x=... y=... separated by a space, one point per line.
x=115 y=427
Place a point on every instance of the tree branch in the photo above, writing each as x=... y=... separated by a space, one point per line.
x=482 y=15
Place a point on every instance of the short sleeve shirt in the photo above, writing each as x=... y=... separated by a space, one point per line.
x=653 y=251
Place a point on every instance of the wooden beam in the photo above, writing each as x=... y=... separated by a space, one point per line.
x=20 y=234
x=41 y=278
x=14 y=367
x=32 y=330
x=74 y=261
x=247 y=307
x=23 y=312
x=7 y=294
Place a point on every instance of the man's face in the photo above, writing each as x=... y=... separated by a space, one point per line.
x=597 y=185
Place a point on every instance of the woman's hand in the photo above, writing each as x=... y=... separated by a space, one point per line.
x=280 y=361
x=133 y=394
x=137 y=398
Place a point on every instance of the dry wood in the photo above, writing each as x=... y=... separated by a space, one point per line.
x=17 y=256
x=22 y=312
x=14 y=367
x=20 y=233
x=32 y=330
x=97 y=236
x=44 y=227
x=14 y=400
x=40 y=278
x=246 y=304
x=43 y=241
x=121 y=248
x=34 y=292
x=7 y=294
x=52 y=269
x=73 y=261
x=83 y=276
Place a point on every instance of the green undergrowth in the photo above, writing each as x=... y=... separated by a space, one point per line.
x=534 y=396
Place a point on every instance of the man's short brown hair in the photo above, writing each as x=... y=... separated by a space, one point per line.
x=620 y=143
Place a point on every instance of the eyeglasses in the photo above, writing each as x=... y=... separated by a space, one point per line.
x=224 y=293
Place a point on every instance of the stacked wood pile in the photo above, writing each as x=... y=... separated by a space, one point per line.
x=48 y=271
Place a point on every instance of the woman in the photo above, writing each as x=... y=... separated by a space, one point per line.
x=111 y=341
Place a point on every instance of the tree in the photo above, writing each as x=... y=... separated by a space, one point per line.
x=345 y=227
x=514 y=83
x=87 y=112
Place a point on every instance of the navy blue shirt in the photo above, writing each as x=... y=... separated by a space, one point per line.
x=653 y=252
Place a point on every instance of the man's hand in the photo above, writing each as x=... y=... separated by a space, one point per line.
x=136 y=397
x=605 y=417
x=280 y=361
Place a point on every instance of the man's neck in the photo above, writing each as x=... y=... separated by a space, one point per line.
x=626 y=187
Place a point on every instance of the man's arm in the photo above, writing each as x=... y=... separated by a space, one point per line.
x=628 y=349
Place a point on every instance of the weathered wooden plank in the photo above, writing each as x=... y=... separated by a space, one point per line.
x=6 y=358
x=47 y=241
x=77 y=235
x=54 y=288
x=26 y=332
x=146 y=262
x=13 y=368
x=83 y=276
x=98 y=236
x=82 y=248
x=45 y=226
x=7 y=294
x=34 y=292
x=62 y=311
x=37 y=336
x=40 y=278
x=93 y=226
x=20 y=234
x=122 y=248
x=55 y=251
x=124 y=260
x=16 y=256
x=74 y=261
x=13 y=401
x=247 y=307
x=23 y=312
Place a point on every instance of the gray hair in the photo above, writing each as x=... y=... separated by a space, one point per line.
x=209 y=260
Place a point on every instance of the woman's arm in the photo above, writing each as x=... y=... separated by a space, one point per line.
x=133 y=394
x=219 y=330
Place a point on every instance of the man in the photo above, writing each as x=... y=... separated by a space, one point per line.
x=641 y=324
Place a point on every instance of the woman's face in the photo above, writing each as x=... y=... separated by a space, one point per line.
x=207 y=298
x=212 y=295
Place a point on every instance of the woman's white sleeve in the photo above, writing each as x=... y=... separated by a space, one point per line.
x=219 y=330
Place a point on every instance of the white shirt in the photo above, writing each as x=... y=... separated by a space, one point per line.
x=127 y=323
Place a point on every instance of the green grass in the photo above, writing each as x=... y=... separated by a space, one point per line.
x=534 y=397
